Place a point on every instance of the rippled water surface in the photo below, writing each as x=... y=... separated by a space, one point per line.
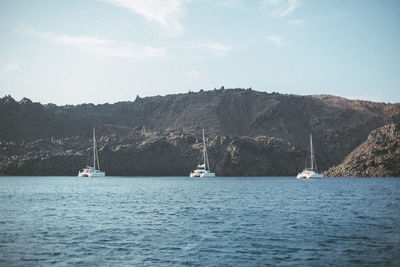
x=173 y=221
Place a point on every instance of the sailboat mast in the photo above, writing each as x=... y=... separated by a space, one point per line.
x=97 y=158
x=204 y=150
x=94 y=148
x=312 y=153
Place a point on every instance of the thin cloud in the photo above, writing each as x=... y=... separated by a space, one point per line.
x=202 y=50
x=277 y=40
x=105 y=48
x=100 y=47
x=65 y=39
x=281 y=8
x=165 y=13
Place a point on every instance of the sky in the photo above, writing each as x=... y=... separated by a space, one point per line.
x=105 y=51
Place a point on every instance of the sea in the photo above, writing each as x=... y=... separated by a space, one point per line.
x=181 y=221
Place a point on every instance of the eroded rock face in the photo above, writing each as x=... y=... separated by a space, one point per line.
x=378 y=156
x=143 y=152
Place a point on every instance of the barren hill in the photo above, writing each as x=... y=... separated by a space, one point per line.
x=338 y=125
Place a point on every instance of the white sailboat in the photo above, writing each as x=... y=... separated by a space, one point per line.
x=91 y=171
x=203 y=170
x=310 y=172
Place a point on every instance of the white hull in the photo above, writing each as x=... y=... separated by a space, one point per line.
x=201 y=174
x=98 y=174
x=91 y=173
x=306 y=174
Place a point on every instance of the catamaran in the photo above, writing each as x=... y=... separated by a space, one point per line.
x=203 y=170
x=310 y=172
x=91 y=171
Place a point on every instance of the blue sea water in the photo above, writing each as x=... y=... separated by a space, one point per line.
x=175 y=221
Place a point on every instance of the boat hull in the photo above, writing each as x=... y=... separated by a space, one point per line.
x=98 y=174
x=201 y=174
x=208 y=174
x=91 y=173
x=306 y=174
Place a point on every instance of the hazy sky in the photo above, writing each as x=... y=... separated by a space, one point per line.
x=98 y=51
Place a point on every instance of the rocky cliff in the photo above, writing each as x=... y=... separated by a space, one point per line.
x=240 y=118
x=378 y=156
x=125 y=151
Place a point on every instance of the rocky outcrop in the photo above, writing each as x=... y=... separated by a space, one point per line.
x=378 y=156
x=142 y=152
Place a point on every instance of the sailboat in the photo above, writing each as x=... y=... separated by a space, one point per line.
x=91 y=171
x=310 y=172
x=203 y=170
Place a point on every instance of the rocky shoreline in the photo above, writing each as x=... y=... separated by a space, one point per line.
x=378 y=156
x=144 y=153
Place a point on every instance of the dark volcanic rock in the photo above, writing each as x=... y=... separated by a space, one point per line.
x=141 y=152
x=378 y=156
x=259 y=156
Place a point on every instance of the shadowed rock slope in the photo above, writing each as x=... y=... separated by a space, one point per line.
x=378 y=156
x=149 y=153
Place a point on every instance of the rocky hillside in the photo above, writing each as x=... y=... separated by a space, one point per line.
x=142 y=152
x=378 y=156
x=238 y=116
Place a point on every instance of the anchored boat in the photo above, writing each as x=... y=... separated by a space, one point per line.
x=203 y=170
x=92 y=171
x=310 y=172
